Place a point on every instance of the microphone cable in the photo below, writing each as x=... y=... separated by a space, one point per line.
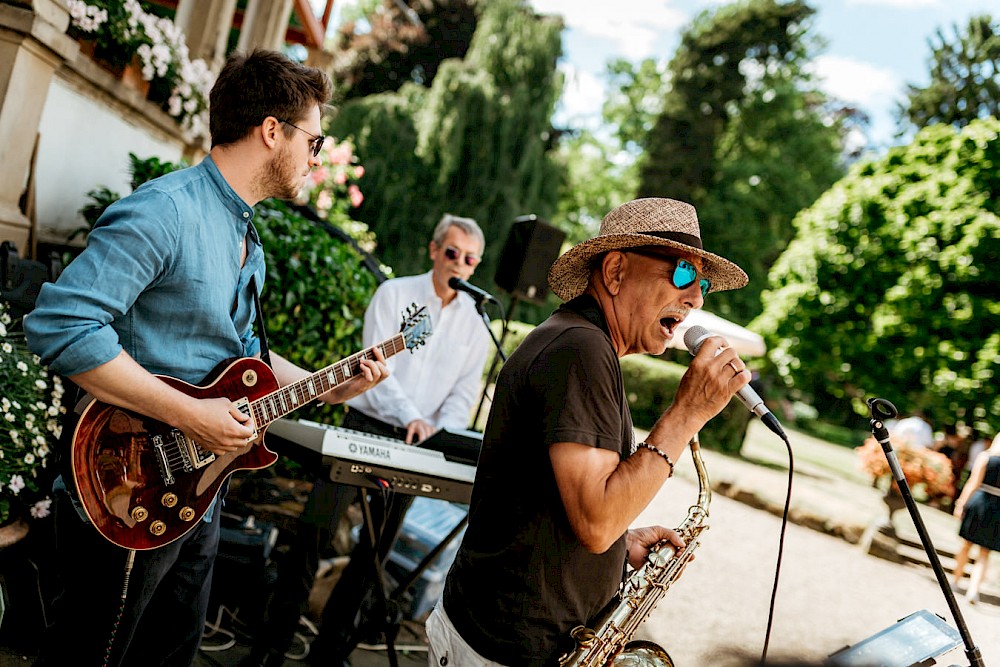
x=781 y=548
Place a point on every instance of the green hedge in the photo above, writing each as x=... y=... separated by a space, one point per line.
x=650 y=385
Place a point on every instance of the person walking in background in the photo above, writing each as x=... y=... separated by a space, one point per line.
x=979 y=509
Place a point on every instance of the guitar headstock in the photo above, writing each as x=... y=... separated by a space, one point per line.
x=416 y=326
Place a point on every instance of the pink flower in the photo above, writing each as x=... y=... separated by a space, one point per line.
x=324 y=201
x=319 y=175
x=341 y=154
x=359 y=171
x=354 y=192
x=340 y=177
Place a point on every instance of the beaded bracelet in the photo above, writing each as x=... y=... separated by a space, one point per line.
x=654 y=448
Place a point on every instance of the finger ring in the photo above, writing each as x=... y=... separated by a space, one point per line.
x=733 y=366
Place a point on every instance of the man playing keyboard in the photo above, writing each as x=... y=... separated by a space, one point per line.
x=432 y=389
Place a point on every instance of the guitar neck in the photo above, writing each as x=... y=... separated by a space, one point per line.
x=291 y=397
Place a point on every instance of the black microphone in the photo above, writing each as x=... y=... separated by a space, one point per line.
x=479 y=295
x=693 y=339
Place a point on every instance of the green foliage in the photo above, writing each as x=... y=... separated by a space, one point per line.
x=384 y=44
x=964 y=78
x=722 y=55
x=476 y=143
x=888 y=288
x=635 y=99
x=316 y=293
x=773 y=160
x=650 y=385
x=743 y=135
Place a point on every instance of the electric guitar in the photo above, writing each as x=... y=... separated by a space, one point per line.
x=144 y=483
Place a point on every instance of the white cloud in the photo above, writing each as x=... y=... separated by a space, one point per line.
x=633 y=32
x=856 y=81
x=582 y=98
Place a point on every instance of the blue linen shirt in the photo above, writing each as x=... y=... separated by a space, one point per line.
x=161 y=279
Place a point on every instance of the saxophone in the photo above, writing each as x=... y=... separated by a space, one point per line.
x=609 y=642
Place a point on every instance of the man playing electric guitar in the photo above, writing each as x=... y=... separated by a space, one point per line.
x=165 y=287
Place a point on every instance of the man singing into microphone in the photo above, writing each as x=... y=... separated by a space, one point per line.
x=560 y=476
x=432 y=389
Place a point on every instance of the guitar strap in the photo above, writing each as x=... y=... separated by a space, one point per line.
x=265 y=353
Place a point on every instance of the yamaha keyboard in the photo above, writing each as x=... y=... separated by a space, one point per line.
x=443 y=466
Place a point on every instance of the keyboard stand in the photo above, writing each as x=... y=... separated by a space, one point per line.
x=389 y=608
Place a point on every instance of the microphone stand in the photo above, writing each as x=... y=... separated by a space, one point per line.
x=881 y=410
x=500 y=353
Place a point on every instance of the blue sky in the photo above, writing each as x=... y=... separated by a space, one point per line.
x=874 y=47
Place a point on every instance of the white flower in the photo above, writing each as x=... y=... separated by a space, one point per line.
x=29 y=458
x=40 y=510
x=16 y=484
x=7 y=347
x=23 y=367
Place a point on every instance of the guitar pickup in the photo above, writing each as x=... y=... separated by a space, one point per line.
x=243 y=405
x=194 y=456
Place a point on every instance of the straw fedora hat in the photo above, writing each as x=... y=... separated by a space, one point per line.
x=642 y=222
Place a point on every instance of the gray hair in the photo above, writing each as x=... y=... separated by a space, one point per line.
x=467 y=225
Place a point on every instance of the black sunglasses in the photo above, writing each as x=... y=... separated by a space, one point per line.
x=316 y=143
x=453 y=253
x=685 y=273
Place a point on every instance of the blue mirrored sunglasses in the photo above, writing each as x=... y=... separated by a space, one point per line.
x=685 y=273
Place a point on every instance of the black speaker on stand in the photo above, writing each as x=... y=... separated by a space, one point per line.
x=531 y=246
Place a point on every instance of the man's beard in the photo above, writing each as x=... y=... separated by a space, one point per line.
x=279 y=179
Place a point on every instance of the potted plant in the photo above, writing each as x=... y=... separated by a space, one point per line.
x=927 y=472
x=30 y=423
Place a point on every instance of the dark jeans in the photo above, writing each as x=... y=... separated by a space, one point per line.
x=164 y=611
x=352 y=606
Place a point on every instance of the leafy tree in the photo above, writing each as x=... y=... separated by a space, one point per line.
x=744 y=135
x=888 y=287
x=721 y=56
x=401 y=42
x=476 y=143
x=965 y=78
x=635 y=100
x=597 y=178
x=773 y=160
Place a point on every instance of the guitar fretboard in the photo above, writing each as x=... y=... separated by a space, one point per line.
x=291 y=397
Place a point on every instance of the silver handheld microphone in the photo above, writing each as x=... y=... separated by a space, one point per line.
x=693 y=339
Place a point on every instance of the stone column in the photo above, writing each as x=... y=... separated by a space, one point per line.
x=206 y=23
x=33 y=44
x=265 y=23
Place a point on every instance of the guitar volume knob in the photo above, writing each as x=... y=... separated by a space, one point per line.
x=157 y=528
x=186 y=514
x=139 y=513
x=169 y=499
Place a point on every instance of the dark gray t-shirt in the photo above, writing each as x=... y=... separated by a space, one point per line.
x=522 y=580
